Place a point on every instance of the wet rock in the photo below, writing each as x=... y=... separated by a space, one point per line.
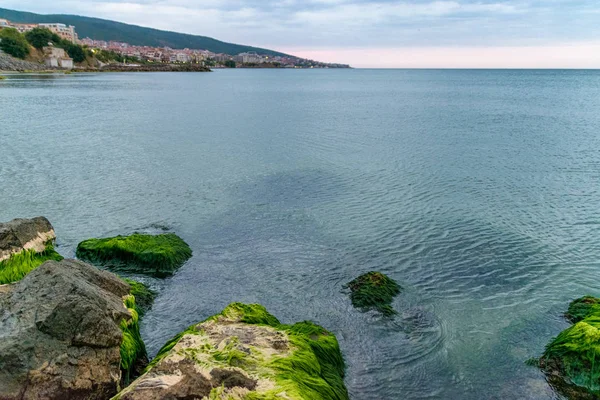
x=155 y=255
x=25 y=234
x=374 y=291
x=242 y=353
x=25 y=244
x=60 y=333
x=570 y=360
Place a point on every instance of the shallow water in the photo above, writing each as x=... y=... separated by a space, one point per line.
x=478 y=191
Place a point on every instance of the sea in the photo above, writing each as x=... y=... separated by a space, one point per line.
x=478 y=191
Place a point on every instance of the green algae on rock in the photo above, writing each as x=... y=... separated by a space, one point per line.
x=144 y=297
x=582 y=308
x=155 y=255
x=18 y=265
x=133 y=351
x=571 y=360
x=25 y=244
x=245 y=353
x=374 y=291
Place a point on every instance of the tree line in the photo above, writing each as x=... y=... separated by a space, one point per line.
x=18 y=45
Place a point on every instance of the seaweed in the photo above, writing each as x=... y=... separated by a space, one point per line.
x=374 y=291
x=571 y=361
x=133 y=350
x=144 y=297
x=20 y=264
x=155 y=255
x=581 y=308
x=313 y=369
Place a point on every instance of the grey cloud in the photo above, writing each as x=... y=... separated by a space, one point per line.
x=351 y=23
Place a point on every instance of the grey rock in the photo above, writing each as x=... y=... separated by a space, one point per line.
x=9 y=63
x=24 y=234
x=60 y=334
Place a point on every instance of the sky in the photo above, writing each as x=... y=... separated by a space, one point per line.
x=375 y=33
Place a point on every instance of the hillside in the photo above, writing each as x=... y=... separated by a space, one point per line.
x=101 y=29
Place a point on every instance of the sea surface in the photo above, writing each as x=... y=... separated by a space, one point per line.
x=478 y=191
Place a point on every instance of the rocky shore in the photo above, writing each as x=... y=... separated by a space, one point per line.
x=11 y=64
x=8 y=63
x=70 y=330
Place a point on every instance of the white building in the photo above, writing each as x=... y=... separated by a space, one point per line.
x=62 y=30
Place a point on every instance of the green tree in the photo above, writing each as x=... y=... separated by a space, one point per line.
x=13 y=43
x=229 y=64
x=40 y=37
x=75 y=51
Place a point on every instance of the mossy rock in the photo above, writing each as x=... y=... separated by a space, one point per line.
x=582 y=308
x=154 y=255
x=572 y=360
x=245 y=353
x=374 y=291
x=20 y=264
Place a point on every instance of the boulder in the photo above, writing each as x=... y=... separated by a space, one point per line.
x=25 y=234
x=61 y=333
x=25 y=244
x=374 y=291
x=570 y=359
x=154 y=255
x=245 y=353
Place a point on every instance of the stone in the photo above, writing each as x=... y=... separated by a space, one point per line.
x=25 y=234
x=25 y=244
x=154 y=255
x=374 y=291
x=570 y=359
x=245 y=353
x=60 y=333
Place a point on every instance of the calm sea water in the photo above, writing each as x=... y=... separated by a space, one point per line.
x=478 y=191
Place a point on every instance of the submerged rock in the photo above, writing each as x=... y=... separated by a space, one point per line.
x=155 y=255
x=25 y=244
x=245 y=353
x=374 y=291
x=61 y=334
x=570 y=361
x=582 y=308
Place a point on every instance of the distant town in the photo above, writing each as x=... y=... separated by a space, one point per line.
x=167 y=55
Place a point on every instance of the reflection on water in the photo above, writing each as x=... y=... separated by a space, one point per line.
x=478 y=191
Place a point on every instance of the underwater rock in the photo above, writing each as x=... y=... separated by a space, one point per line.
x=25 y=244
x=569 y=361
x=62 y=336
x=374 y=291
x=245 y=353
x=154 y=255
x=581 y=308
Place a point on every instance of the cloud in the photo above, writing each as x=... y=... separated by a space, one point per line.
x=324 y=25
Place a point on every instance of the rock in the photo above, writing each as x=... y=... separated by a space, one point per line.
x=9 y=63
x=61 y=334
x=570 y=360
x=582 y=308
x=245 y=353
x=25 y=234
x=155 y=255
x=25 y=244
x=374 y=291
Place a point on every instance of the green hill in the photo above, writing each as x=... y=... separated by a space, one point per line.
x=102 y=29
